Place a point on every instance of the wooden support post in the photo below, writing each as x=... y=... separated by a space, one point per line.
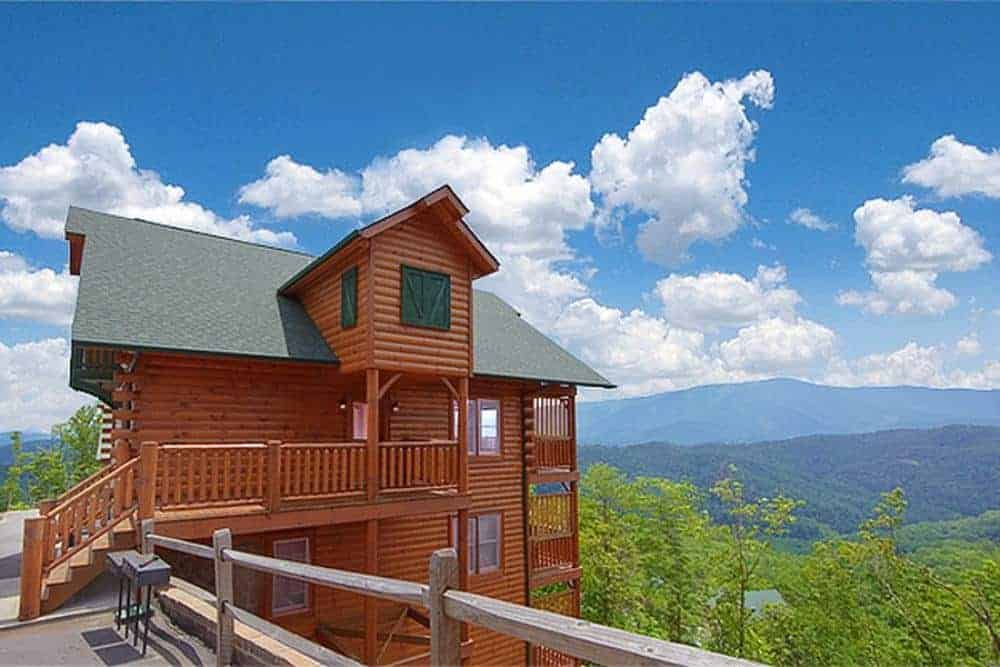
x=463 y=435
x=32 y=553
x=222 y=539
x=446 y=633
x=120 y=453
x=46 y=506
x=145 y=530
x=371 y=602
x=148 y=454
x=463 y=558
x=273 y=475
x=371 y=449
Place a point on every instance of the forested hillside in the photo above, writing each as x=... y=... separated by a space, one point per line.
x=947 y=473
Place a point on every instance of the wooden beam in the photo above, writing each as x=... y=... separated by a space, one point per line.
x=224 y=634
x=199 y=524
x=371 y=603
x=32 y=554
x=572 y=636
x=371 y=451
x=388 y=385
x=310 y=649
x=446 y=633
x=451 y=387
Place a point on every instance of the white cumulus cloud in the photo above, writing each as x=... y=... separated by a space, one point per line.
x=806 y=218
x=913 y=365
x=905 y=249
x=95 y=169
x=779 y=345
x=955 y=169
x=711 y=300
x=684 y=164
x=291 y=189
x=41 y=295
x=34 y=385
x=901 y=293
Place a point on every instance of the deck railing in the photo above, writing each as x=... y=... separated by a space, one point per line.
x=552 y=531
x=94 y=509
x=553 y=434
x=418 y=465
x=448 y=609
x=272 y=474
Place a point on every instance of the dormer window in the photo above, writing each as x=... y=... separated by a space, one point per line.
x=425 y=298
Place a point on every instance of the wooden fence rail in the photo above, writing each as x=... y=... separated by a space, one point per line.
x=448 y=609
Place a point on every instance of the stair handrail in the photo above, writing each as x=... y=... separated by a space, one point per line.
x=109 y=517
x=96 y=476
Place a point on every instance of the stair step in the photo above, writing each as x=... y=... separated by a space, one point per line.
x=61 y=574
x=81 y=558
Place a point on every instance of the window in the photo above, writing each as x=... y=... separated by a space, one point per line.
x=425 y=298
x=484 y=541
x=359 y=421
x=290 y=595
x=349 y=297
x=484 y=426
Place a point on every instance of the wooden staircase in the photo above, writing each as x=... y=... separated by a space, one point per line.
x=64 y=548
x=73 y=574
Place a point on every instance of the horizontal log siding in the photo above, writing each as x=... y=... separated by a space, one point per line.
x=420 y=243
x=424 y=411
x=184 y=399
x=320 y=295
x=496 y=483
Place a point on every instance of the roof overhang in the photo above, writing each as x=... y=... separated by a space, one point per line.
x=444 y=206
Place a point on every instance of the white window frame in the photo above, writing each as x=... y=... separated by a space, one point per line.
x=278 y=580
x=474 y=433
x=475 y=545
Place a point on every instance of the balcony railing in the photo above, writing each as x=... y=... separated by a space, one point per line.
x=552 y=531
x=274 y=474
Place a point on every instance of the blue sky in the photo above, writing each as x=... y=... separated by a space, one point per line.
x=755 y=112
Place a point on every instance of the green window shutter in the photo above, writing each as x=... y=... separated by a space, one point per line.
x=349 y=297
x=425 y=298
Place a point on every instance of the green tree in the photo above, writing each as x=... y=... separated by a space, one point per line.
x=11 y=493
x=79 y=436
x=748 y=533
x=613 y=576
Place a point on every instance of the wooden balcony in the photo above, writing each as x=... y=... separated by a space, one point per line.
x=552 y=441
x=278 y=485
x=552 y=538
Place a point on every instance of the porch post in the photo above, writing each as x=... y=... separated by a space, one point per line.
x=148 y=454
x=463 y=435
x=371 y=455
x=371 y=602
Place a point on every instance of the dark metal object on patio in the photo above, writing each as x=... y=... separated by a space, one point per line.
x=135 y=571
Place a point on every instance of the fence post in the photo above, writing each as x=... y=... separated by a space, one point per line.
x=32 y=548
x=446 y=633
x=273 y=475
x=145 y=530
x=223 y=539
x=148 y=454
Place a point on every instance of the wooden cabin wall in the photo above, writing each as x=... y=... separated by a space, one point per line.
x=320 y=296
x=226 y=399
x=420 y=243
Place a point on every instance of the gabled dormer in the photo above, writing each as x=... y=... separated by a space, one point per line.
x=397 y=294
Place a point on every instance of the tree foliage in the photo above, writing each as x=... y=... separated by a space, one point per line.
x=50 y=471
x=655 y=562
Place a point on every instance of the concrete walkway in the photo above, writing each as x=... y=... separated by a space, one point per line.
x=93 y=640
x=98 y=596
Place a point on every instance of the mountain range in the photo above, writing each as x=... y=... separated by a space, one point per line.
x=776 y=410
x=947 y=473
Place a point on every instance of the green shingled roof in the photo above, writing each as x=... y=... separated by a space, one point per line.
x=145 y=285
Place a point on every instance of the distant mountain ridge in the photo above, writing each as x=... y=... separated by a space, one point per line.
x=776 y=410
x=947 y=473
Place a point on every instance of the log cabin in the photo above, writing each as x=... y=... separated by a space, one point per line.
x=356 y=410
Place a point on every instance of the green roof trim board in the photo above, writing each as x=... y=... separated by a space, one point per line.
x=149 y=286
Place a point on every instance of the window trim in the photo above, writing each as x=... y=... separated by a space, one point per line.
x=473 y=555
x=407 y=268
x=352 y=321
x=475 y=405
x=276 y=579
